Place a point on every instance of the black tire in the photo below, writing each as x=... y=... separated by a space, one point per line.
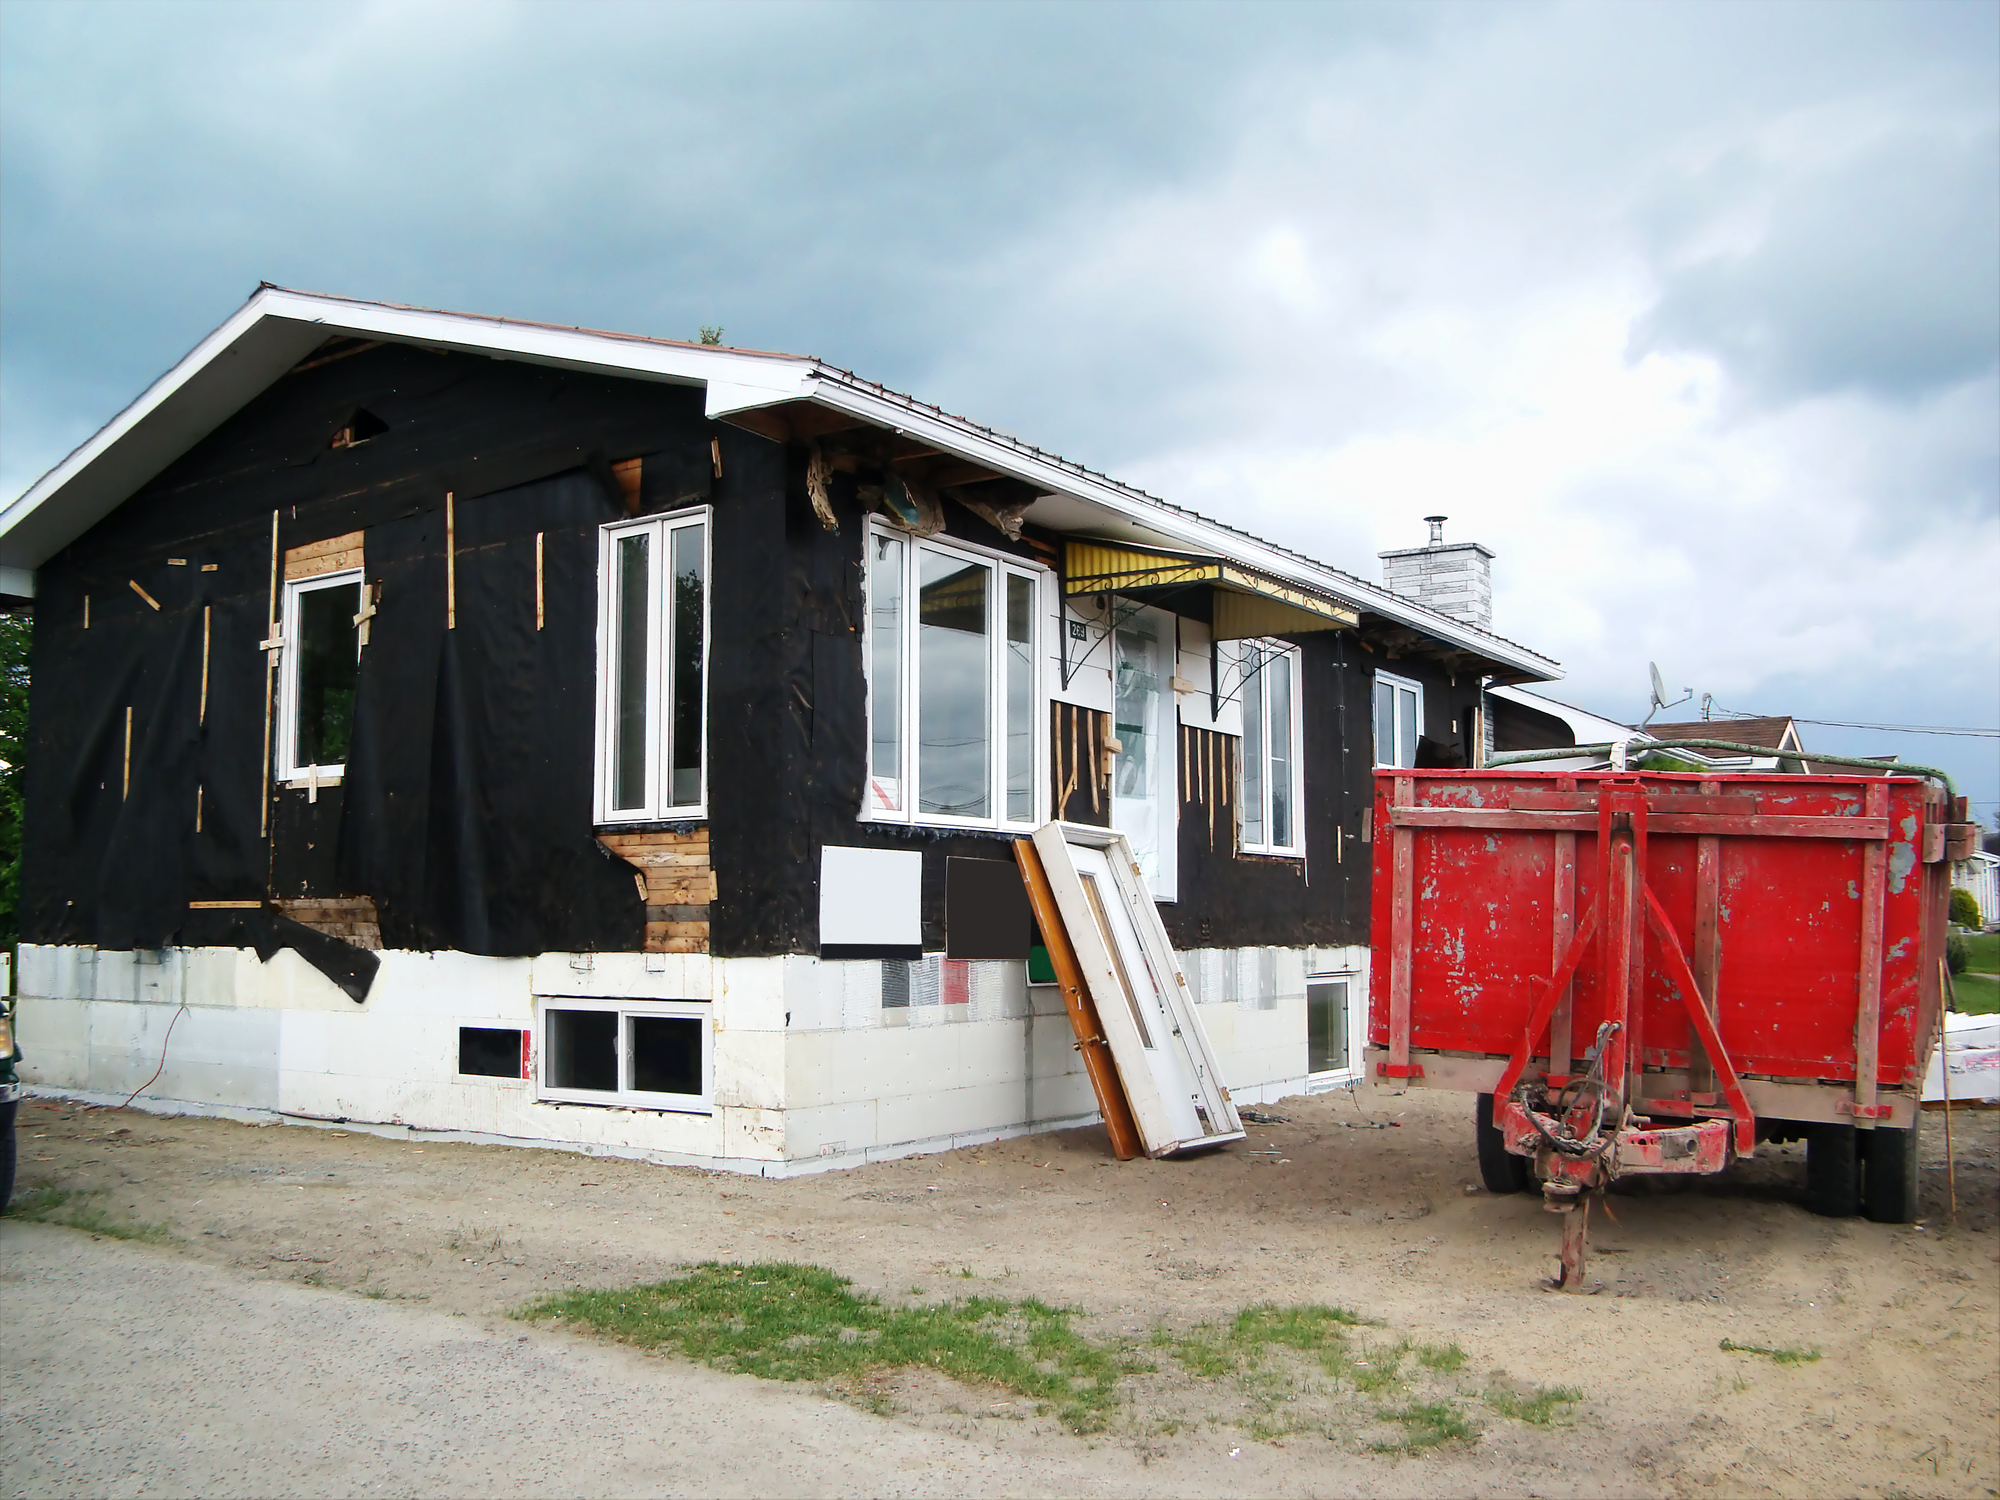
x=1500 y=1169
x=7 y=1112
x=1833 y=1171
x=1889 y=1175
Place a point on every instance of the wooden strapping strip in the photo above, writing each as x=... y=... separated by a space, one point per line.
x=142 y=593
x=225 y=906
x=126 y=790
x=197 y=807
x=270 y=686
x=1083 y=1018
x=450 y=564
x=86 y=611
x=201 y=717
x=538 y=581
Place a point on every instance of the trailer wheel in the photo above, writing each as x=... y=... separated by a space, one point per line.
x=1500 y=1169
x=1889 y=1181
x=1833 y=1171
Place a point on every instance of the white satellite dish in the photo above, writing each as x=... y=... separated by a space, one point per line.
x=1660 y=694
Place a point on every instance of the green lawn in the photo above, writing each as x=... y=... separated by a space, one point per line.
x=1978 y=988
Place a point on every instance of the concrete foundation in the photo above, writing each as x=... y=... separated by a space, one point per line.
x=810 y=1063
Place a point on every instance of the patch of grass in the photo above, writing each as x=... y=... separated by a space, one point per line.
x=1446 y=1359
x=1377 y=1369
x=1977 y=994
x=1786 y=1356
x=1204 y=1354
x=794 y=1322
x=69 y=1210
x=1983 y=953
x=1541 y=1409
x=1428 y=1424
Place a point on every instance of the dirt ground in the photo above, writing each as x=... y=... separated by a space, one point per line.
x=1363 y=1200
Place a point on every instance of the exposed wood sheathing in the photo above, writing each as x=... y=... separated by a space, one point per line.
x=350 y=918
x=680 y=884
x=1080 y=764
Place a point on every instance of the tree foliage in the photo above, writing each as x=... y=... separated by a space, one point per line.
x=1964 y=907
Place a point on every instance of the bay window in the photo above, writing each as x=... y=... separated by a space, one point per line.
x=1272 y=750
x=652 y=680
x=952 y=720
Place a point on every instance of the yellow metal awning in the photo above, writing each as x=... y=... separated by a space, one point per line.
x=1245 y=603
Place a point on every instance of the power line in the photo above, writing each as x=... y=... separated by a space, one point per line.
x=1984 y=734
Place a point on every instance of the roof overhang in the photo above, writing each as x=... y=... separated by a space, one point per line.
x=277 y=328
x=1245 y=603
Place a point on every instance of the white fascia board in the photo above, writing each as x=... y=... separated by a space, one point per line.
x=1170 y=528
x=273 y=331
x=17 y=583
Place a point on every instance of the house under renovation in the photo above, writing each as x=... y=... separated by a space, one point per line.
x=580 y=739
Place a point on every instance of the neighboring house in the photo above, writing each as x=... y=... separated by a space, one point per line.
x=1979 y=873
x=1776 y=734
x=563 y=736
x=1524 y=720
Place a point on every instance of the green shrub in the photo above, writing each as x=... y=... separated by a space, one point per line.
x=1957 y=953
x=1965 y=908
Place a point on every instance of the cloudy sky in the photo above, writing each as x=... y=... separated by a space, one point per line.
x=1690 y=312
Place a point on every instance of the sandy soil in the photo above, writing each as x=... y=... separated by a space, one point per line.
x=1365 y=1200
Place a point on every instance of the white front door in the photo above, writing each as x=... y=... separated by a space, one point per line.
x=1142 y=720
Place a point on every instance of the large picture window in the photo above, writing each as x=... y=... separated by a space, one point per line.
x=1399 y=717
x=952 y=721
x=652 y=679
x=321 y=666
x=1272 y=750
x=649 y=1055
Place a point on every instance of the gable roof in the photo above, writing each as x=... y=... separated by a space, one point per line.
x=278 y=327
x=1774 y=733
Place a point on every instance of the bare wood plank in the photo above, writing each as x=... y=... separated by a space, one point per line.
x=225 y=906
x=333 y=555
x=207 y=614
x=142 y=593
x=677 y=945
x=1868 y=1009
x=450 y=564
x=126 y=790
x=539 y=616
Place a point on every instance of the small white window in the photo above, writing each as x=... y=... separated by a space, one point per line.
x=1273 y=739
x=1329 y=1028
x=652 y=677
x=1399 y=717
x=643 y=1055
x=320 y=667
x=954 y=722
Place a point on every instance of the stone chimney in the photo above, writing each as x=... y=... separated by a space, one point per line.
x=1454 y=579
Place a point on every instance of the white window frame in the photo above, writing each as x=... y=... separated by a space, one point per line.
x=625 y=1096
x=288 y=768
x=1356 y=1022
x=1004 y=566
x=1390 y=680
x=656 y=808
x=1254 y=657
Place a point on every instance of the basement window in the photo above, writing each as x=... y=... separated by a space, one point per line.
x=319 y=670
x=641 y=1054
x=1327 y=1026
x=1399 y=717
x=1273 y=751
x=954 y=726
x=493 y=1052
x=652 y=678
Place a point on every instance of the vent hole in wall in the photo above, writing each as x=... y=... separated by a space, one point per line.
x=360 y=427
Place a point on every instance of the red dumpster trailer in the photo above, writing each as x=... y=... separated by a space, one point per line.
x=1652 y=972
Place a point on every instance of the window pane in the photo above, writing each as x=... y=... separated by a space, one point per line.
x=885 y=666
x=1406 y=727
x=628 y=707
x=1253 y=749
x=1020 y=698
x=666 y=1054
x=1385 y=724
x=1135 y=707
x=1280 y=674
x=329 y=661
x=583 y=1050
x=954 y=671
x=490 y=1051
x=686 y=747
x=1326 y=1027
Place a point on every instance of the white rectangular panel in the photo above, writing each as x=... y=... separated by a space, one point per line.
x=871 y=896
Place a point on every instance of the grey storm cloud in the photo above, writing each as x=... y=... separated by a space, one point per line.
x=1690 y=311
